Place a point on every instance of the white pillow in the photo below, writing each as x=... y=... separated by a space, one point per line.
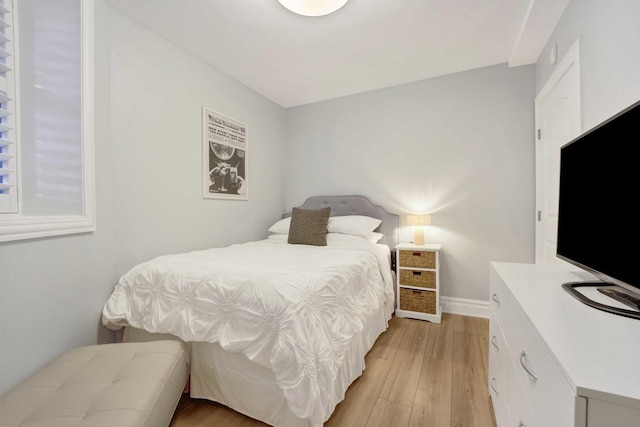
x=278 y=236
x=357 y=225
x=337 y=237
x=333 y=237
x=375 y=237
x=281 y=227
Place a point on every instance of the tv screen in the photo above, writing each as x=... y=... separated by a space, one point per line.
x=598 y=217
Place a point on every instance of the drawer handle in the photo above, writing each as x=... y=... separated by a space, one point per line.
x=493 y=341
x=523 y=362
x=417 y=273
x=417 y=254
x=493 y=387
x=495 y=298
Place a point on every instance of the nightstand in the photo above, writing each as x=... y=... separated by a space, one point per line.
x=418 y=281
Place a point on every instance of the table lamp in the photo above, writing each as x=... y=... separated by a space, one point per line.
x=418 y=222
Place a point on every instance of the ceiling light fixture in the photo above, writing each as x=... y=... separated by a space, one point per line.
x=313 y=7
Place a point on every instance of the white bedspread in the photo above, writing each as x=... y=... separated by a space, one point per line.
x=290 y=308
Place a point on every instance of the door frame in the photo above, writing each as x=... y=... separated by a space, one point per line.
x=571 y=61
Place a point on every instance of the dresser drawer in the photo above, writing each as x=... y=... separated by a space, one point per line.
x=417 y=278
x=498 y=297
x=498 y=371
x=520 y=410
x=417 y=259
x=547 y=391
x=498 y=393
x=418 y=301
x=498 y=349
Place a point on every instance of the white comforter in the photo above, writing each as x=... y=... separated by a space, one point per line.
x=290 y=308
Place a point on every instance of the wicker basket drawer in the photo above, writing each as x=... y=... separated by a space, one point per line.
x=419 y=259
x=419 y=301
x=420 y=279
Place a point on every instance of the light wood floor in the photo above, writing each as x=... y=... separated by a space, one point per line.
x=418 y=374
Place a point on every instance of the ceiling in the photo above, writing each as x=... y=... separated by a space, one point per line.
x=366 y=45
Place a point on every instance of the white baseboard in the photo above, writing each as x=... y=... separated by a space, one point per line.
x=466 y=307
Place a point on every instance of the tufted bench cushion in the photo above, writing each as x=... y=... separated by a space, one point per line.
x=123 y=385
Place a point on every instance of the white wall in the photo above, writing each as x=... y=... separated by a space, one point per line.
x=609 y=34
x=460 y=147
x=52 y=290
x=158 y=91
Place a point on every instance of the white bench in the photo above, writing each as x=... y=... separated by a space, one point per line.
x=110 y=385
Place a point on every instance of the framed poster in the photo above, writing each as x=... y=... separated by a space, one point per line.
x=225 y=148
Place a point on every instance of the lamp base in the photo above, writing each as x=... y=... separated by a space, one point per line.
x=418 y=235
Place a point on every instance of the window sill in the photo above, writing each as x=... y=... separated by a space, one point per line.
x=33 y=227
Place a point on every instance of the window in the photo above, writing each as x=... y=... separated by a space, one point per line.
x=46 y=104
x=8 y=187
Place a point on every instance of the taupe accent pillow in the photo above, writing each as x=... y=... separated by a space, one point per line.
x=309 y=226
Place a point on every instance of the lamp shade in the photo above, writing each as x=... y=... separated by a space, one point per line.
x=313 y=7
x=418 y=219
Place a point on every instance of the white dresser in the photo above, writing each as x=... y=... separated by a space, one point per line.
x=555 y=362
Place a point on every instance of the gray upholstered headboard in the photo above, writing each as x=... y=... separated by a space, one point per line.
x=358 y=205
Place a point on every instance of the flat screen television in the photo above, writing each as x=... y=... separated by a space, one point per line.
x=598 y=214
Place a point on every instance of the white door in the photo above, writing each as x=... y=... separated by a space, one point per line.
x=557 y=109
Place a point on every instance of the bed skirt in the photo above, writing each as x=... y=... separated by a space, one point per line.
x=246 y=387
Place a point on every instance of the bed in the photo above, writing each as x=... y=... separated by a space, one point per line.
x=273 y=330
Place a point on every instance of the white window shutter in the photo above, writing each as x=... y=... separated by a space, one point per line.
x=8 y=149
